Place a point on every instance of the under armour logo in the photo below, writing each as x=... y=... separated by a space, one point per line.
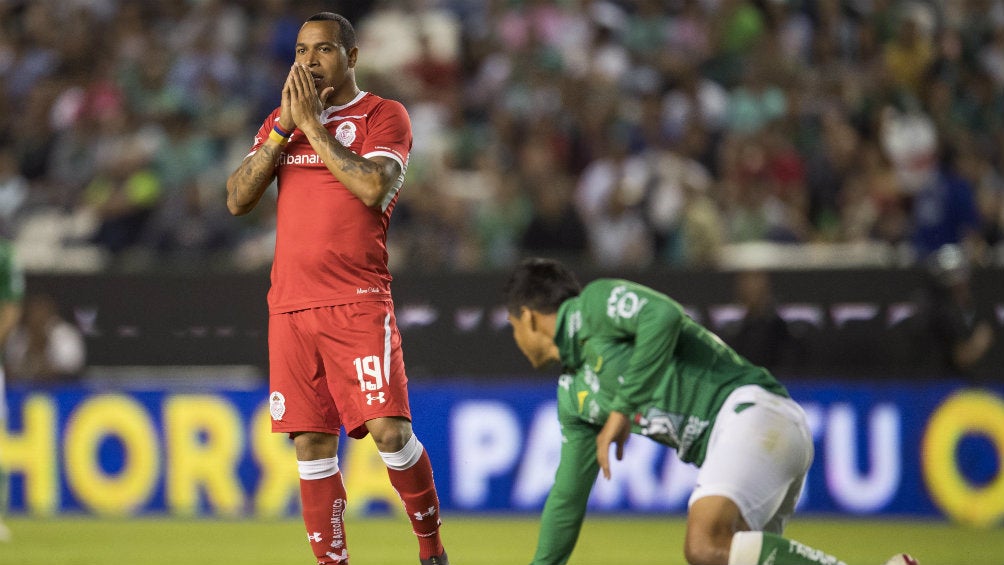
x=427 y=514
x=316 y=536
x=378 y=397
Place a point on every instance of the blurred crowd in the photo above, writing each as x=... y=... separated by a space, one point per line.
x=617 y=133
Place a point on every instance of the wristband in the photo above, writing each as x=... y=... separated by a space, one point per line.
x=277 y=137
x=281 y=132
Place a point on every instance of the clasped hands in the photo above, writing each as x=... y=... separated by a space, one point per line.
x=301 y=103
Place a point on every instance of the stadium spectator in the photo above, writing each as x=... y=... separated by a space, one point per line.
x=608 y=198
x=951 y=334
x=871 y=201
x=633 y=361
x=694 y=99
x=827 y=169
x=555 y=229
x=754 y=102
x=761 y=335
x=14 y=190
x=908 y=55
x=974 y=163
x=44 y=348
x=755 y=209
x=122 y=197
x=944 y=209
x=500 y=218
x=339 y=156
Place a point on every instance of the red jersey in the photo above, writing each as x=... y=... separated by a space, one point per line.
x=331 y=248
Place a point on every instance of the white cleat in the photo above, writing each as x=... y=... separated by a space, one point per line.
x=5 y=534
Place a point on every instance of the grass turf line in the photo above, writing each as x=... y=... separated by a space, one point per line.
x=470 y=540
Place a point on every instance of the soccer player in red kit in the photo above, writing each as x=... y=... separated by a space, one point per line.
x=339 y=155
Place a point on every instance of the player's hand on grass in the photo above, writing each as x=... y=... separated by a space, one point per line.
x=616 y=431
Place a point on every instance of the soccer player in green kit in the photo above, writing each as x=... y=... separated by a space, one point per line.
x=11 y=298
x=633 y=361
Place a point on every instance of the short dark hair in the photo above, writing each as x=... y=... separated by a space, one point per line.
x=541 y=285
x=346 y=33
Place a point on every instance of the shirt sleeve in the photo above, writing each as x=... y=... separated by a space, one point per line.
x=565 y=507
x=263 y=131
x=652 y=322
x=389 y=134
x=11 y=275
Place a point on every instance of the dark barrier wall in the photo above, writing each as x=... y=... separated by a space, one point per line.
x=842 y=322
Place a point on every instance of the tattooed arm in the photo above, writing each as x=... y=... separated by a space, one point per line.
x=368 y=179
x=248 y=183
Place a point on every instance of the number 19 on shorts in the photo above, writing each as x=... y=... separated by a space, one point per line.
x=368 y=372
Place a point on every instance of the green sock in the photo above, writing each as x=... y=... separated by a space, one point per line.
x=762 y=548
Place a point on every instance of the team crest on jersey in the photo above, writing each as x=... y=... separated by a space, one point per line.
x=276 y=405
x=345 y=133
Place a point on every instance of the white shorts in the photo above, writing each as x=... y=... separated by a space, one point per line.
x=759 y=452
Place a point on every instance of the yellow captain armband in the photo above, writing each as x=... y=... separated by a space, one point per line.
x=278 y=135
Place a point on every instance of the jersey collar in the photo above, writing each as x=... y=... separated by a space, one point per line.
x=333 y=109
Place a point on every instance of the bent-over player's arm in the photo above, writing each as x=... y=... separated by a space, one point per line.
x=252 y=178
x=11 y=294
x=10 y=315
x=652 y=321
x=565 y=508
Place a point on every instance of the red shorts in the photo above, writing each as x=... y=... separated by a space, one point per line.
x=336 y=366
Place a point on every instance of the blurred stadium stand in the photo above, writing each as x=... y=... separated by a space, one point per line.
x=684 y=134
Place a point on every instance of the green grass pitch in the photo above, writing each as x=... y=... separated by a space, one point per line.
x=605 y=540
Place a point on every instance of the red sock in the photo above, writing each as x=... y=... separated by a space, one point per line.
x=418 y=492
x=323 y=503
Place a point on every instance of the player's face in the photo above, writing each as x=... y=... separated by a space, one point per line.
x=534 y=344
x=318 y=47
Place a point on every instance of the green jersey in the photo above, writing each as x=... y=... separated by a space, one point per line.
x=11 y=276
x=11 y=292
x=627 y=348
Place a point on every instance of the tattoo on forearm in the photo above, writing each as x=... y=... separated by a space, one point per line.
x=256 y=172
x=261 y=165
x=347 y=161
